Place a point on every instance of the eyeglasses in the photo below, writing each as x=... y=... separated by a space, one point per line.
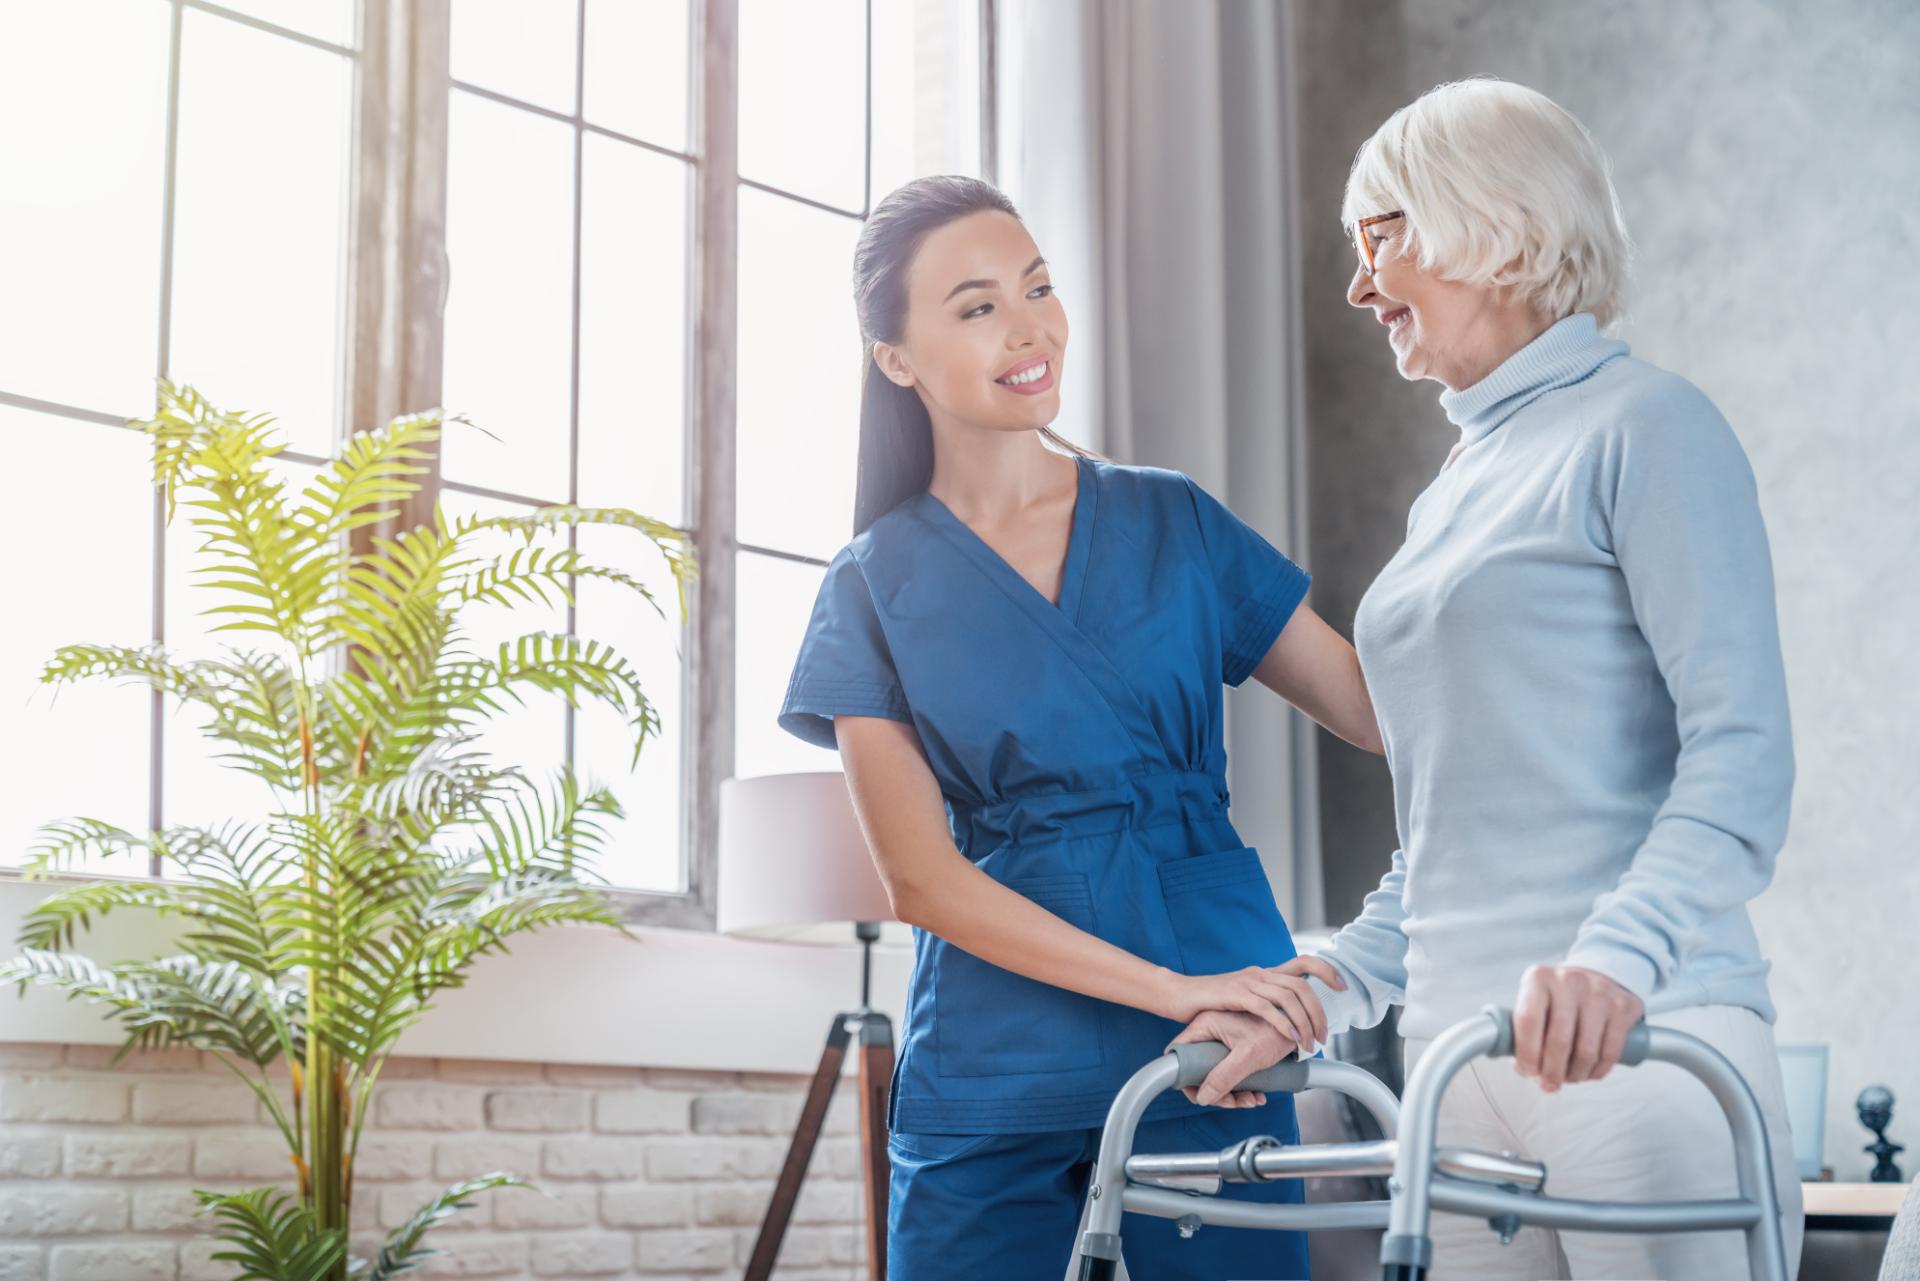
x=1365 y=243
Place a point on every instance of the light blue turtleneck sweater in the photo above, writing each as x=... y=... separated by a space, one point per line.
x=1576 y=664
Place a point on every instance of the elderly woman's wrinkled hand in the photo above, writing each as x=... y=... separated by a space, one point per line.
x=1570 y=1024
x=1252 y=1044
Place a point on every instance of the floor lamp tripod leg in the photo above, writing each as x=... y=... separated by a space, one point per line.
x=773 y=1229
x=876 y=1076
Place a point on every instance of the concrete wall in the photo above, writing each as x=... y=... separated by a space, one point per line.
x=1766 y=160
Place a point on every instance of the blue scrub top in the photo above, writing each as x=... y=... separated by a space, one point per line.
x=1079 y=750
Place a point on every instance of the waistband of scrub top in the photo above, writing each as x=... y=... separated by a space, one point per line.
x=1151 y=800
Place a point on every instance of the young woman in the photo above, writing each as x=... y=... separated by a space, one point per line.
x=1020 y=658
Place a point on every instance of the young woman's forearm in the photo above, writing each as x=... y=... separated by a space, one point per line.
x=977 y=914
x=1314 y=668
x=932 y=885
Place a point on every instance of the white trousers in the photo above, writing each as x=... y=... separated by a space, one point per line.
x=1648 y=1133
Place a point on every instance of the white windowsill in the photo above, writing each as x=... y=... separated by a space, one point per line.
x=667 y=998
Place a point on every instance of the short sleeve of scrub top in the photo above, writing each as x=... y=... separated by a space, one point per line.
x=1258 y=587
x=844 y=668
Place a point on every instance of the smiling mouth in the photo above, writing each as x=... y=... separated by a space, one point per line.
x=1395 y=321
x=1031 y=374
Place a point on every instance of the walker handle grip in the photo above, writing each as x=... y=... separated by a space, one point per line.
x=1632 y=1054
x=1197 y=1058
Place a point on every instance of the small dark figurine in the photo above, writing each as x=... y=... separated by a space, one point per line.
x=1875 y=1106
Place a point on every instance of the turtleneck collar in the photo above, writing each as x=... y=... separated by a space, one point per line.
x=1569 y=351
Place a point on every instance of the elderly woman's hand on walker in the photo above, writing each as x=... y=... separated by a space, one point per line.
x=1570 y=1024
x=1255 y=1041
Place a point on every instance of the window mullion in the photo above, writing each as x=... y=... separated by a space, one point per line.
x=157 y=704
x=712 y=454
x=398 y=259
x=571 y=714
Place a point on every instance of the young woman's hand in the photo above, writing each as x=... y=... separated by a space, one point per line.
x=1282 y=999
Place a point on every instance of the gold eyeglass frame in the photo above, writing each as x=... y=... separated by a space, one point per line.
x=1362 y=243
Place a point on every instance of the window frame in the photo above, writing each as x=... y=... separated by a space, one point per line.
x=391 y=353
x=711 y=444
x=357 y=59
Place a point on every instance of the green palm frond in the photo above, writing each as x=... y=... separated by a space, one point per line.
x=277 y=1238
x=526 y=830
x=553 y=663
x=190 y=437
x=352 y=890
x=393 y=603
x=180 y=1000
x=529 y=574
x=374 y=995
x=54 y=922
x=76 y=976
x=255 y=714
x=236 y=896
x=671 y=542
x=248 y=697
x=370 y=479
x=211 y=1005
x=404 y=1251
x=71 y=841
x=149 y=665
x=385 y=715
x=476 y=915
x=448 y=778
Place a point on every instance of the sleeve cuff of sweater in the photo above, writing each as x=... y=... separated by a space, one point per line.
x=1345 y=1009
x=1630 y=969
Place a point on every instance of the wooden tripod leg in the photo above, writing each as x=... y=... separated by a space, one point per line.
x=773 y=1229
x=876 y=1074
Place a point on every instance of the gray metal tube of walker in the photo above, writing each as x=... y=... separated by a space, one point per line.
x=1407 y=1251
x=1188 y=1065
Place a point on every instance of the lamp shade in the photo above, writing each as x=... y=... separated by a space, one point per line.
x=793 y=862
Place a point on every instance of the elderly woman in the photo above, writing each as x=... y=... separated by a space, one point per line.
x=1576 y=665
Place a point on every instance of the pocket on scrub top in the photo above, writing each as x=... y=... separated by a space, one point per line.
x=992 y=1022
x=935 y=1147
x=1223 y=912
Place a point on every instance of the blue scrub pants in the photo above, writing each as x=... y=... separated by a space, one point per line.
x=1006 y=1207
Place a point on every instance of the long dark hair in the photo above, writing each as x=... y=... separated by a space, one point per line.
x=896 y=433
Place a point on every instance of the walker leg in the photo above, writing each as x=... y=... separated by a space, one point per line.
x=1092 y=1269
x=1405 y=1257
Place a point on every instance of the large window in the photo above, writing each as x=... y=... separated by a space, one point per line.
x=569 y=195
x=175 y=202
x=886 y=93
x=185 y=188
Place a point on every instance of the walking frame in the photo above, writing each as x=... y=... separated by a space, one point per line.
x=1502 y=1188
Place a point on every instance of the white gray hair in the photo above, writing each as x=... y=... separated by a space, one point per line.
x=1500 y=186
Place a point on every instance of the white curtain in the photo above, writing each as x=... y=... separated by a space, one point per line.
x=1148 y=145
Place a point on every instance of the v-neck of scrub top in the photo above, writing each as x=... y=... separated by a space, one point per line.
x=1072 y=569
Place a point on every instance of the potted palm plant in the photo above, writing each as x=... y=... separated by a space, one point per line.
x=399 y=851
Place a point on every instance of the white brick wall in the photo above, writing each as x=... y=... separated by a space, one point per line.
x=644 y=1174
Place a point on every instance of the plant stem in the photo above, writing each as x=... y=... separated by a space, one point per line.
x=263 y=1090
x=325 y=1145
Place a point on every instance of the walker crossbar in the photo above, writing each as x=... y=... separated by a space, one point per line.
x=1407 y=1251
x=1263 y=1160
x=1110 y=1195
